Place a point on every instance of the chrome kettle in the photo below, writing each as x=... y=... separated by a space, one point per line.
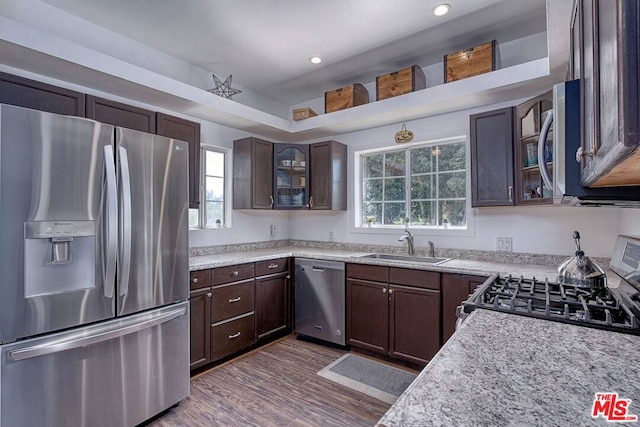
x=580 y=271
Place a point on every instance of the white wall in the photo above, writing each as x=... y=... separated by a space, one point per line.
x=630 y=222
x=535 y=229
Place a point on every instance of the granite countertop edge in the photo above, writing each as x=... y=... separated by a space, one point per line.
x=457 y=266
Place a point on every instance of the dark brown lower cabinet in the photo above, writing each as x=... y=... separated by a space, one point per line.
x=200 y=327
x=273 y=307
x=414 y=320
x=232 y=335
x=368 y=315
x=394 y=311
x=455 y=289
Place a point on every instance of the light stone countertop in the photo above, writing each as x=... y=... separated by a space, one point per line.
x=502 y=369
x=459 y=266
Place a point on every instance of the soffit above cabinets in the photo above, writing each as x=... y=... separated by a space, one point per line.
x=23 y=48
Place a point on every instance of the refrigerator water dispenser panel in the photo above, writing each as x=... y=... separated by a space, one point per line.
x=60 y=256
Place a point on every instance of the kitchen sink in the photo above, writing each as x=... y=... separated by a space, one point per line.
x=406 y=258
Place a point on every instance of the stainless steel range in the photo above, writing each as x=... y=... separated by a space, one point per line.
x=611 y=308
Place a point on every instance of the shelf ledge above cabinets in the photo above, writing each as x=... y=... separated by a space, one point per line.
x=78 y=65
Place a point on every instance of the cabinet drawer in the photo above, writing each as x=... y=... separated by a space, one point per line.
x=199 y=279
x=417 y=278
x=233 y=273
x=272 y=266
x=232 y=336
x=232 y=300
x=376 y=273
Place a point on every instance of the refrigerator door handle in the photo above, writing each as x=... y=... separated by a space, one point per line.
x=111 y=222
x=125 y=230
x=101 y=334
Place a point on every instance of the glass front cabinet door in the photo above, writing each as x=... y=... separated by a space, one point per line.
x=530 y=116
x=291 y=176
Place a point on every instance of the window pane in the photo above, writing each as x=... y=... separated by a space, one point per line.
x=214 y=189
x=395 y=163
x=423 y=213
x=214 y=211
x=394 y=213
x=452 y=185
x=372 y=190
x=373 y=210
x=454 y=211
x=394 y=189
x=194 y=220
x=452 y=157
x=422 y=160
x=214 y=163
x=373 y=166
x=422 y=187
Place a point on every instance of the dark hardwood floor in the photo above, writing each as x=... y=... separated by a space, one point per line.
x=276 y=385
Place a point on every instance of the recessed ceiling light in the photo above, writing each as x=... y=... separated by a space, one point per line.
x=315 y=60
x=441 y=9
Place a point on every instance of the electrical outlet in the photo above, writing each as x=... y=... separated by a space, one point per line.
x=331 y=237
x=272 y=231
x=504 y=244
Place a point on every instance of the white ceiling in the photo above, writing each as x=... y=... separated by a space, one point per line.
x=265 y=44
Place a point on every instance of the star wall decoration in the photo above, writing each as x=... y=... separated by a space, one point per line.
x=223 y=89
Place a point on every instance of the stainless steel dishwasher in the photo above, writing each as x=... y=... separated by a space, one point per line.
x=319 y=289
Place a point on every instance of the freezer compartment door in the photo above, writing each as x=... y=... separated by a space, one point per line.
x=153 y=180
x=54 y=183
x=118 y=373
x=320 y=299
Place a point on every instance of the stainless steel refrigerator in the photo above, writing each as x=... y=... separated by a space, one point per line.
x=94 y=318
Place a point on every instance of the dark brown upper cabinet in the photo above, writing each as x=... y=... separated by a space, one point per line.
x=291 y=166
x=252 y=174
x=28 y=93
x=605 y=57
x=530 y=117
x=328 y=176
x=188 y=131
x=119 y=114
x=492 y=178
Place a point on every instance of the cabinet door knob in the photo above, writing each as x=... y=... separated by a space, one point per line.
x=235 y=273
x=271 y=197
x=390 y=291
x=236 y=335
x=311 y=202
x=384 y=290
x=194 y=280
x=209 y=294
x=232 y=300
x=511 y=193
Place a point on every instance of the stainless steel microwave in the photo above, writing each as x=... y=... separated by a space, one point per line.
x=566 y=121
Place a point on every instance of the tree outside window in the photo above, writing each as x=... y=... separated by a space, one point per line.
x=426 y=185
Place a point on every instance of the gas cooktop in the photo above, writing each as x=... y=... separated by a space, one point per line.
x=615 y=309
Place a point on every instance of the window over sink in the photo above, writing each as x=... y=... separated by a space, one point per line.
x=424 y=184
x=214 y=209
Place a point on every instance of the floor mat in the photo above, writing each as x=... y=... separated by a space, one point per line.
x=367 y=376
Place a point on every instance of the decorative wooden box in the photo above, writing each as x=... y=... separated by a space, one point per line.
x=471 y=62
x=400 y=82
x=303 y=113
x=346 y=97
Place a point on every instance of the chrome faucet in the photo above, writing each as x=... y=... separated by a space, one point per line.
x=432 y=249
x=408 y=237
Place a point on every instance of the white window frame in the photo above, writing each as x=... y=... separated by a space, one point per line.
x=356 y=221
x=227 y=201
